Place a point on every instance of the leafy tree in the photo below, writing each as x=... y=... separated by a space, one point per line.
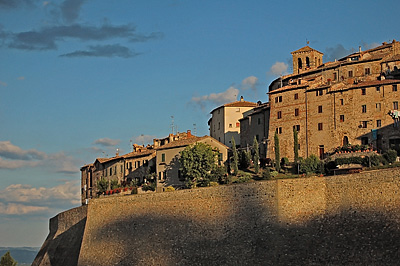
x=277 y=152
x=295 y=145
x=245 y=159
x=7 y=260
x=218 y=173
x=102 y=185
x=311 y=165
x=256 y=156
x=234 y=163
x=197 y=161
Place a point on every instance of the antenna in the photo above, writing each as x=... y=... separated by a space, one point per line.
x=172 y=124
x=194 y=130
x=130 y=144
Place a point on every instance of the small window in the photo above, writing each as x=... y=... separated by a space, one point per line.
x=341 y=118
x=364 y=124
x=364 y=108
x=278 y=130
x=296 y=127
x=350 y=73
x=320 y=126
x=320 y=109
x=367 y=71
x=378 y=88
x=319 y=92
x=259 y=121
x=341 y=101
x=279 y=114
x=378 y=123
x=296 y=112
x=237 y=109
x=395 y=105
x=163 y=157
x=378 y=106
x=394 y=87
x=334 y=76
x=219 y=125
x=296 y=96
x=230 y=125
x=363 y=91
x=110 y=171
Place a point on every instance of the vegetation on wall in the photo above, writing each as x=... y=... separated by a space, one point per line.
x=277 y=152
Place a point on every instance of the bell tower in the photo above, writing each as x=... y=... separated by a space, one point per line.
x=305 y=59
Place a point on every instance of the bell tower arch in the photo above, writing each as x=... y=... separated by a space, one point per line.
x=306 y=59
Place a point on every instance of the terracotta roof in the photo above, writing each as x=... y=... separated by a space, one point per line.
x=186 y=142
x=289 y=87
x=138 y=154
x=375 y=83
x=236 y=104
x=305 y=49
x=393 y=58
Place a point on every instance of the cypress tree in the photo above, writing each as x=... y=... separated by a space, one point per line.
x=277 y=153
x=256 y=156
x=235 y=160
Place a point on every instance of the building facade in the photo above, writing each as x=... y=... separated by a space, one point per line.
x=224 y=122
x=353 y=100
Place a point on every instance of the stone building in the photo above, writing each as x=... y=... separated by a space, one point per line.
x=167 y=158
x=224 y=122
x=255 y=124
x=354 y=100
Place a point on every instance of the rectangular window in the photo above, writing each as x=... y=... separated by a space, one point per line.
x=363 y=91
x=278 y=130
x=320 y=126
x=394 y=87
x=334 y=76
x=259 y=121
x=378 y=123
x=395 y=105
x=378 y=88
x=163 y=157
x=367 y=71
x=279 y=114
x=138 y=164
x=320 y=109
x=296 y=127
x=296 y=112
x=341 y=101
x=219 y=125
x=319 y=92
x=378 y=106
x=350 y=73
x=364 y=108
x=364 y=124
x=237 y=109
x=110 y=171
x=296 y=96
x=230 y=125
x=341 y=118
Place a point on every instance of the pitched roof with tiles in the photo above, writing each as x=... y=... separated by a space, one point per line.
x=186 y=142
x=305 y=49
x=237 y=104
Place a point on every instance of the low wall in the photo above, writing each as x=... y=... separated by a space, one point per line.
x=338 y=220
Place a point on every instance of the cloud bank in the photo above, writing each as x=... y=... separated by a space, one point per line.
x=230 y=95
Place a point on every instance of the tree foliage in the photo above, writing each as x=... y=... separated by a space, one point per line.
x=256 y=156
x=7 y=260
x=245 y=159
x=295 y=145
x=277 y=152
x=197 y=161
x=102 y=185
x=235 y=159
x=311 y=164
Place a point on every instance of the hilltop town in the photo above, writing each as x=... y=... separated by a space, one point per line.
x=351 y=102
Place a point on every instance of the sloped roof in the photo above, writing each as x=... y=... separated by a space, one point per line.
x=237 y=104
x=305 y=49
x=139 y=154
x=186 y=142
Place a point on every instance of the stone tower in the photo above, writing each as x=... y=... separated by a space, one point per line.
x=305 y=59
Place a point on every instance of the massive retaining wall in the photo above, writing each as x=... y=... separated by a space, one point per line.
x=339 y=220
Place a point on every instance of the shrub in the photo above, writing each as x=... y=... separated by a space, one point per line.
x=213 y=184
x=390 y=156
x=243 y=179
x=217 y=173
x=225 y=179
x=169 y=189
x=102 y=186
x=311 y=165
x=114 y=184
x=205 y=182
x=266 y=174
x=149 y=187
x=274 y=174
x=134 y=190
x=244 y=160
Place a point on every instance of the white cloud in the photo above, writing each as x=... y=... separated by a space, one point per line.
x=107 y=142
x=230 y=95
x=279 y=68
x=20 y=209
x=19 y=193
x=144 y=139
x=250 y=83
x=10 y=151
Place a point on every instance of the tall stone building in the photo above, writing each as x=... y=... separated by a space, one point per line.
x=224 y=122
x=354 y=100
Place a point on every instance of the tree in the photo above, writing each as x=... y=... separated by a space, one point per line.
x=295 y=145
x=7 y=260
x=234 y=163
x=277 y=153
x=256 y=156
x=244 y=159
x=197 y=161
x=102 y=186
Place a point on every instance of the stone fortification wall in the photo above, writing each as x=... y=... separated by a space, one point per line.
x=63 y=243
x=339 y=220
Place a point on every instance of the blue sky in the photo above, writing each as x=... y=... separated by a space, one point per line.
x=81 y=78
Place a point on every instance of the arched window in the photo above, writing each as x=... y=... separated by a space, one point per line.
x=307 y=62
x=300 y=64
x=345 y=141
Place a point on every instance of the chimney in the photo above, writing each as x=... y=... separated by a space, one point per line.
x=189 y=133
x=359 y=49
x=117 y=153
x=241 y=99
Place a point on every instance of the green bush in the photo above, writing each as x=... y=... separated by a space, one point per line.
x=149 y=187
x=217 y=173
x=311 y=165
x=134 y=190
x=274 y=174
x=102 y=186
x=390 y=156
x=266 y=174
x=244 y=160
x=213 y=184
x=114 y=184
